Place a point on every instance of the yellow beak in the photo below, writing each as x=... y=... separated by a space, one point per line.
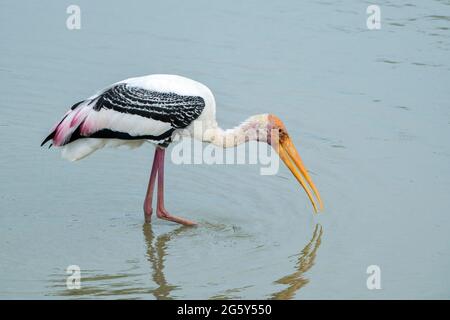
x=288 y=153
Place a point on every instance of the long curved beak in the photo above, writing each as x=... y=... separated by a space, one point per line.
x=288 y=153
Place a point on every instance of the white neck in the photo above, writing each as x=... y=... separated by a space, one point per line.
x=254 y=128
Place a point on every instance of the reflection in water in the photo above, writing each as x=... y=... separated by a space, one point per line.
x=156 y=252
x=127 y=283
x=305 y=261
x=131 y=284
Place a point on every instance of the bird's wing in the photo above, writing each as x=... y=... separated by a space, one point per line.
x=126 y=111
x=178 y=110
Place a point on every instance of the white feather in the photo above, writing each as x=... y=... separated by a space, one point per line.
x=81 y=148
x=135 y=125
x=132 y=124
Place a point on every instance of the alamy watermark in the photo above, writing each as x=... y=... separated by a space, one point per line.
x=374 y=279
x=373 y=21
x=226 y=148
x=73 y=21
x=73 y=281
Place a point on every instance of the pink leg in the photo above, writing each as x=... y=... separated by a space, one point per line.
x=161 y=212
x=151 y=186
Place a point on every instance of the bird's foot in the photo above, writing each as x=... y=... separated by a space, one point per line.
x=163 y=214
x=147 y=218
x=148 y=214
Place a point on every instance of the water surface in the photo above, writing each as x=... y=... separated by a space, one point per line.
x=368 y=110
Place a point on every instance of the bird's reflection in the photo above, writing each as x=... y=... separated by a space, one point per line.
x=156 y=253
x=305 y=261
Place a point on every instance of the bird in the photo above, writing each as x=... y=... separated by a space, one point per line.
x=155 y=108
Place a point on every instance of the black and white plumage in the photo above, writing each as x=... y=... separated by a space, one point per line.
x=149 y=108
x=154 y=108
x=178 y=110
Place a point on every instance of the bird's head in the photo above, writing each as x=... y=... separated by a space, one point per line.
x=279 y=139
x=270 y=129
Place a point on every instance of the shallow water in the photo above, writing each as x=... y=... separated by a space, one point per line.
x=368 y=110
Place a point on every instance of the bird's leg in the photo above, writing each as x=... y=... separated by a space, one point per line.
x=161 y=212
x=151 y=186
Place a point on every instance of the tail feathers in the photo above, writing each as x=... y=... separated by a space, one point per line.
x=62 y=131
x=49 y=137
x=53 y=130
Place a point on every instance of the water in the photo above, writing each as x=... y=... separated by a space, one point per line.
x=368 y=110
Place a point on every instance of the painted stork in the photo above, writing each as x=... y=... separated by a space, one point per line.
x=155 y=108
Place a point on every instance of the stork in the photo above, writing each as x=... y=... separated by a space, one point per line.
x=155 y=108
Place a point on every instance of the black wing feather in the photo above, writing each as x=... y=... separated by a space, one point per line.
x=178 y=110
